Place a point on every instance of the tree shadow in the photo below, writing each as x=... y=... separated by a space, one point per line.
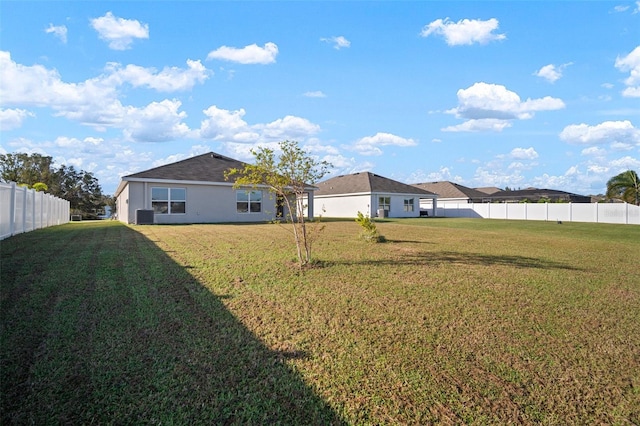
x=148 y=343
x=433 y=258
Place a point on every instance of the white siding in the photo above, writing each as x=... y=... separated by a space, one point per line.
x=397 y=205
x=348 y=205
x=343 y=205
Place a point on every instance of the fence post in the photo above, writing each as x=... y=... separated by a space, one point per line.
x=12 y=210
x=34 y=195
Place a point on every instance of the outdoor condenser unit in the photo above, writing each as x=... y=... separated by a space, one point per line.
x=144 y=217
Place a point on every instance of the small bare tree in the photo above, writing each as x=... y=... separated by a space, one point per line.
x=288 y=178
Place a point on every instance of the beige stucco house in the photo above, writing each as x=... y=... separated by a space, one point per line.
x=194 y=191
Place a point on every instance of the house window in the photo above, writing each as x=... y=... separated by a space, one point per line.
x=169 y=200
x=249 y=201
x=384 y=203
x=408 y=204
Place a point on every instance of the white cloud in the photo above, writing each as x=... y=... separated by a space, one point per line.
x=13 y=118
x=338 y=42
x=631 y=64
x=490 y=106
x=621 y=146
x=369 y=144
x=252 y=54
x=465 y=31
x=59 y=31
x=289 y=127
x=442 y=174
x=157 y=122
x=626 y=163
x=524 y=153
x=551 y=73
x=315 y=94
x=95 y=102
x=170 y=79
x=315 y=146
x=87 y=144
x=480 y=125
x=37 y=86
x=606 y=132
x=492 y=176
x=593 y=151
x=119 y=32
x=225 y=125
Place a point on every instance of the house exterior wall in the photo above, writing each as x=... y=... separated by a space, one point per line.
x=122 y=209
x=348 y=205
x=204 y=204
x=397 y=204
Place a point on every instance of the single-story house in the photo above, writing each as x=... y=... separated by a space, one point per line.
x=453 y=193
x=194 y=191
x=535 y=195
x=371 y=194
x=450 y=193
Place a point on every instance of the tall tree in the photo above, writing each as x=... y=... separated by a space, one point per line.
x=26 y=169
x=625 y=187
x=288 y=178
x=79 y=187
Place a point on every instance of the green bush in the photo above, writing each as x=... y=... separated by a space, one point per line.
x=369 y=230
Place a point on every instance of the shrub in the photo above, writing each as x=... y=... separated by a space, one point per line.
x=369 y=230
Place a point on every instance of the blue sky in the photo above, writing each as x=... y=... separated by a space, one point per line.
x=518 y=94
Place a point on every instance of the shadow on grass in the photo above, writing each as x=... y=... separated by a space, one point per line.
x=460 y=258
x=103 y=327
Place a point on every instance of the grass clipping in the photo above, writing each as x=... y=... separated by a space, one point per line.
x=369 y=231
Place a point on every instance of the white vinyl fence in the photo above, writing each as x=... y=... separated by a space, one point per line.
x=24 y=210
x=567 y=212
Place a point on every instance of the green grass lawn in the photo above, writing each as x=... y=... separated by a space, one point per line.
x=450 y=321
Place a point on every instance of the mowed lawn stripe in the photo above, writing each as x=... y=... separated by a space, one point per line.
x=451 y=320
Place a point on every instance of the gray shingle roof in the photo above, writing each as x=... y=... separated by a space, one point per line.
x=489 y=189
x=446 y=189
x=534 y=194
x=365 y=182
x=209 y=167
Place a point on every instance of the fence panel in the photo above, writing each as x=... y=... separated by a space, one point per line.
x=24 y=210
x=567 y=212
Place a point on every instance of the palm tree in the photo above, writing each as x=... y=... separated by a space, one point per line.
x=625 y=186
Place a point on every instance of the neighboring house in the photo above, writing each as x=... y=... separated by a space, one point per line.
x=453 y=193
x=535 y=195
x=449 y=192
x=194 y=191
x=373 y=195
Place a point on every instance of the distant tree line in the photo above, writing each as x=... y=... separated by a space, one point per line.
x=37 y=171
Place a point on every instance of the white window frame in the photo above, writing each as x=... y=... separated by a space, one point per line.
x=409 y=204
x=383 y=204
x=171 y=200
x=250 y=201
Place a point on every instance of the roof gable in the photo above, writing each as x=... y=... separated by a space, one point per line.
x=489 y=190
x=365 y=182
x=209 y=167
x=446 y=189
